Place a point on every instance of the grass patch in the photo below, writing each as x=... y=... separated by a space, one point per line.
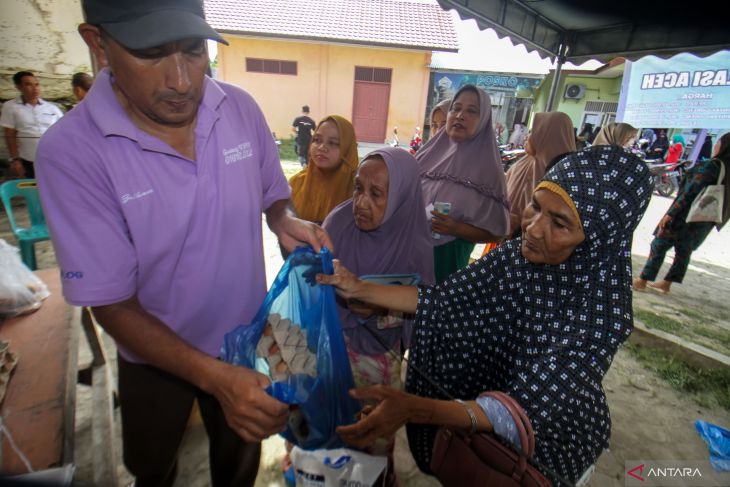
x=289 y=160
x=707 y=387
x=720 y=336
x=703 y=332
x=286 y=150
x=698 y=317
x=290 y=168
x=653 y=320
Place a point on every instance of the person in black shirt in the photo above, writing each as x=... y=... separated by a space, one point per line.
x=660 y=146
x=303 y=126
x=706 y=150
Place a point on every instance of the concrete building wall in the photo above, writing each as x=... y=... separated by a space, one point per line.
x=597 y=89
x=325 y=80
x=41 y=36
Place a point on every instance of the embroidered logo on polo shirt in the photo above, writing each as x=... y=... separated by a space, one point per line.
x=127 y=197
x=72 y=275
x=238 y=153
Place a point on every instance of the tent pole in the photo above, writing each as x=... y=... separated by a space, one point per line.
x=559 y=60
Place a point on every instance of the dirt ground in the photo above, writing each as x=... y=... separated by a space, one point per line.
x=651 y=421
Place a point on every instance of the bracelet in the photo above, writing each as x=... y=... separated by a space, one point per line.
x=471 y=414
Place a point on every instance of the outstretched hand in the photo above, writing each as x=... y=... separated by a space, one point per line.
x=382 y=421
x=345 y=282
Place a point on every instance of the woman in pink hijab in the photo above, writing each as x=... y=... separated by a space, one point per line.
x=552 y=136
x=461 y=166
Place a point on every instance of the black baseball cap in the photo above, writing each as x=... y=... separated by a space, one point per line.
x=141 y=24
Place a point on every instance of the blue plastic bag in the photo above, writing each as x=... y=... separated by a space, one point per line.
x=718 y=441
x=323 y=401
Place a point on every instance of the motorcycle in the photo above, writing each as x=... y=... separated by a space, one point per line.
x=509 y=155
x=416 y=141
x=666 y=176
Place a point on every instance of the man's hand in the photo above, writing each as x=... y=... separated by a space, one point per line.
x=294 y=232
x=11 y=141
x=249 y=410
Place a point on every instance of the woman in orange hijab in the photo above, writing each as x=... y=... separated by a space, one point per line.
x=329 y=177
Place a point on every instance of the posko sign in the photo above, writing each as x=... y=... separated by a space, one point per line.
x=684 y=91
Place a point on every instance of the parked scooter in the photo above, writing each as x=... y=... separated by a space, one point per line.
x=667 y=176
x=509 y=155
x=416 y=141
x=394 y=142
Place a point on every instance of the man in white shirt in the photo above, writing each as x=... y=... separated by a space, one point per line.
x=24 y=120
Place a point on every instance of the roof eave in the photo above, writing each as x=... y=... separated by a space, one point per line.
x=338 y=40
x=477 y=71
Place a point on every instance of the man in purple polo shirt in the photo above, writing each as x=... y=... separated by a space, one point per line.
x=153 y=189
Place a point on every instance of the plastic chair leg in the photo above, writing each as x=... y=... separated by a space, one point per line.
x=27 y=253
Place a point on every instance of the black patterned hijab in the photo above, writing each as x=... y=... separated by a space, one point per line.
x=545 y=334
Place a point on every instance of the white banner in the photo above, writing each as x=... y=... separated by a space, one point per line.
x=684 y=91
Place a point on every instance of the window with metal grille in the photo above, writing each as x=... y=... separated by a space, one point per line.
x=601 y=106
x=610 y=106
x=373 y=75
x=272 y=66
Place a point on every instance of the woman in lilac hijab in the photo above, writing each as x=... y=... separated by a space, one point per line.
x=461 y=166
x=381 y=230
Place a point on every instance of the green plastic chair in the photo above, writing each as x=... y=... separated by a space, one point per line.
x=38 y=230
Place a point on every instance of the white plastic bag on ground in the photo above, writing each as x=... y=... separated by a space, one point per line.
x=340 y=467
x=20 y=290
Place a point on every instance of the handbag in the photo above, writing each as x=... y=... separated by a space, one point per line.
x=708 y=205
x=464 y=460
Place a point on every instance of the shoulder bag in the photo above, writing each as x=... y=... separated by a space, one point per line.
x=708 y=205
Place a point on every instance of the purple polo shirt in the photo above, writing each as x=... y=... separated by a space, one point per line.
x=129 y=215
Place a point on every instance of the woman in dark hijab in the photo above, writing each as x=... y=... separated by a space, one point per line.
x=539 y=318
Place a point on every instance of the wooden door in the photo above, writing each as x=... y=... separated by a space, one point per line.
x=370 y=103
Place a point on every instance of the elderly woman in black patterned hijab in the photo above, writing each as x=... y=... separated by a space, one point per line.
x=539 y=318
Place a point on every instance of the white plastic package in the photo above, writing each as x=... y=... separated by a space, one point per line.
x=20 y=290
x=336 y=468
